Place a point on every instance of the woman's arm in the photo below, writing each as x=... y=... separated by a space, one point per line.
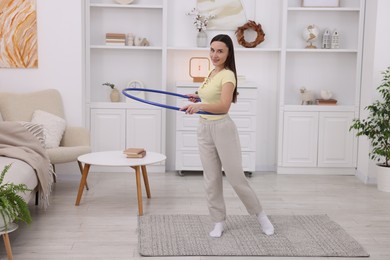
x=222 y=107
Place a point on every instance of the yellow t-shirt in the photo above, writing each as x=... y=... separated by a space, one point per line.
x=211 y=89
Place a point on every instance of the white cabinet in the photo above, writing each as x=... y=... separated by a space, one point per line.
x=144 y=129
x=243 y=113
x=317 y=136
x=116 y=129
x=108 y=129
x=335 y=142
x=318 y=139
x=300 y=139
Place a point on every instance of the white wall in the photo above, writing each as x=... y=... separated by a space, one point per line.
x=59 y=57
x=376 y=59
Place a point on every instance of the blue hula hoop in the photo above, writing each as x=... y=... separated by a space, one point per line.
x=124 y=92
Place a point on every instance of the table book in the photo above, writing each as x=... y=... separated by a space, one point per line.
x=135 y=152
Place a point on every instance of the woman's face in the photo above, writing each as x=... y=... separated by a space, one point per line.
x=218 y=53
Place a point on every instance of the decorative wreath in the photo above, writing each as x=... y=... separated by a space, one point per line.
x=253 y=26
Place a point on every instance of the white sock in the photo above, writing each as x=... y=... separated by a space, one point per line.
x=266 y=225
x=218 y=229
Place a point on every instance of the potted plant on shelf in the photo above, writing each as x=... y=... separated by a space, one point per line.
x=12 y=206
x=377 y=129
x=115 y=94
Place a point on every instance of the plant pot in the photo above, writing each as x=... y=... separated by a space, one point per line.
x=6 y=222
x=383 y=178
x=115 y=95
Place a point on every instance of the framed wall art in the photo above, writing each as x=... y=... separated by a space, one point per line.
x=18 y=34
x=228 y=14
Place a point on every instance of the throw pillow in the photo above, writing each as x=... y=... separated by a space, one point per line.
x=53 y=127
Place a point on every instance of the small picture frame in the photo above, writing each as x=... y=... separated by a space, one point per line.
x=320 y=3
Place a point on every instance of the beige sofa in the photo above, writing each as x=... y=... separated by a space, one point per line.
x=21 y=107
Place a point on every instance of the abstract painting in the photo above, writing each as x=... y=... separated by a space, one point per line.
x=229 y=14
x=18 y=34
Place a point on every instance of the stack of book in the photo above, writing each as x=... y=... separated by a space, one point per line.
x=135 y=152
x=326 y=101
x=116 y=39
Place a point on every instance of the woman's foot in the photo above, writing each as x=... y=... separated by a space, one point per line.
x=265 y=223
x=218 y=229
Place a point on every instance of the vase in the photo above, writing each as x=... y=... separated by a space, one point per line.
x=115 y=95
x=201 y=39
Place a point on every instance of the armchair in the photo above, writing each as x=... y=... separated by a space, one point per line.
x=21 y=106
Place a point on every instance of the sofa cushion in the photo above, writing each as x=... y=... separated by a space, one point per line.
x=53 y=127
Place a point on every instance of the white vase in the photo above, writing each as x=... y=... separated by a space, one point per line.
x=383 y=178
x=201 y=39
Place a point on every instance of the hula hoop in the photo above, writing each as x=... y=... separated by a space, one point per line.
x=124 y=92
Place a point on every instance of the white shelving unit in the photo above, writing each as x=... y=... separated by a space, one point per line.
x=279 y=66
x=115 y=126
x=316 y=138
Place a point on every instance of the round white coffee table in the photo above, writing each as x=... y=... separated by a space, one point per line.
x=117 y=158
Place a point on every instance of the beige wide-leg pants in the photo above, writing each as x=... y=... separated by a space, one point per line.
x=219 y=146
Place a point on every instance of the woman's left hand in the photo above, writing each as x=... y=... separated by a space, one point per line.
x=191 y=108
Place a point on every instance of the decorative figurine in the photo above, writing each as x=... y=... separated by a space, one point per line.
x=326 y=39
x=335 y=40
x=307 y=97
x=130 y=39
x=310 y=35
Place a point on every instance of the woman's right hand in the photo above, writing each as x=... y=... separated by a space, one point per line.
x=194 y=98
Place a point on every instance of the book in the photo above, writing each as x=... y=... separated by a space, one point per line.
x=135 y=152
x=326 y=101
x=115 y=36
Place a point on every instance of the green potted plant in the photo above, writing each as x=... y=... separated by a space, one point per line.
x=12 y=206
x=377 y=129
x=115 y=95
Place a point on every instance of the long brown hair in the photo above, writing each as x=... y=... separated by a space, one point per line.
x=230 y=62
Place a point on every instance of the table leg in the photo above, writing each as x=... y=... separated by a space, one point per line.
x=146 y=180
x=139 y=189
x=83 y=181
x=81 y=171
x=7 y=245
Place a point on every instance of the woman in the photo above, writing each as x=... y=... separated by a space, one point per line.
x=218 y=140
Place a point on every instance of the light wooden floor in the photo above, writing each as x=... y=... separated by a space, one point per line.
x=104 y=226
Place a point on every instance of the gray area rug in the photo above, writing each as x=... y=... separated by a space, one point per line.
x=187 y=235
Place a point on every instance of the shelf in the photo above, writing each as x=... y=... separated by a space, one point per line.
x=310 y=108
x=323 y=9
x=113 y=47
x=127 y=6
x=237 y=49
x=322 y=50
x=121 y=105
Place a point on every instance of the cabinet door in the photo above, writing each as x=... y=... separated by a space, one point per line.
x=300 y=134
x=336 y=142
x=144 y=129
x=108 y=129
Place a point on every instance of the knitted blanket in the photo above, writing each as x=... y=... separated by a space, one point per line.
x=16 y=141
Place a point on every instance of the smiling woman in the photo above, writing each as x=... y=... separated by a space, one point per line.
x=18 y=31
